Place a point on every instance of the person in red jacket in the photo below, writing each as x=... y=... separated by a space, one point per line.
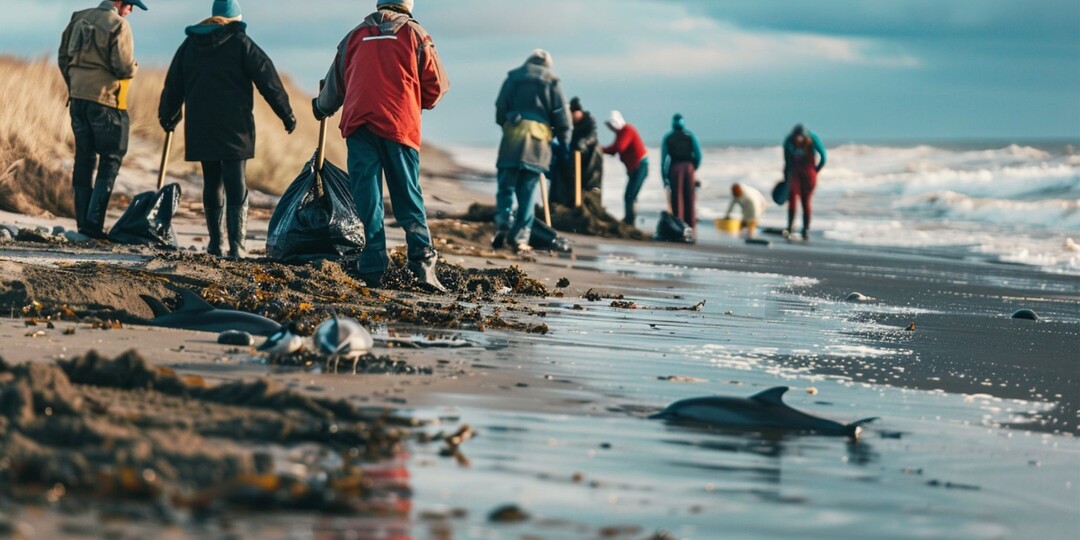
x=631 y=150
x=387 y=71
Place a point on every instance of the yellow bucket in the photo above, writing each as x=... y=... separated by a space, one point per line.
x=730 y=226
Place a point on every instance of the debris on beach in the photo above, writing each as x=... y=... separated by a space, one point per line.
x=911 y=327
x=594 y=295
x=858 y=297
x=510 y=513
x=111 y=429
x=1026 y=314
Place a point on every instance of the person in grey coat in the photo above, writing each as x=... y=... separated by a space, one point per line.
x=531 y=110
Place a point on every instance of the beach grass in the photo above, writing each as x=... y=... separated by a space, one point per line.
x=36 y=143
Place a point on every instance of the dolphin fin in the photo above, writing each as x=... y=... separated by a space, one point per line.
x=155 y=306
x=194 y=302
x=772 y=396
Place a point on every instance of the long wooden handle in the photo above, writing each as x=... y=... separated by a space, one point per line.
x=577 y=179
x=320 y=157
x=547 y=205
x=164 y=169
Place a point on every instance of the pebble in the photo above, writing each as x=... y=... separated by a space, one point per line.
x=236 y=338
x=5 y=235
x=510 y=513
x=812 y=391
x=76 y=237
x=58 y=230
x=1026 y=314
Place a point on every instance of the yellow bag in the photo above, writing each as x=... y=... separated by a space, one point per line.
x=122 y=96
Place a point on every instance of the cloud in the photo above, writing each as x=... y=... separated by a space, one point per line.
x=694 y=46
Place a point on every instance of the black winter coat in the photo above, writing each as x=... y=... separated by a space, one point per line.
x=586 y=141
x=212 y=76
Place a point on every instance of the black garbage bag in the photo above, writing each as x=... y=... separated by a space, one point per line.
x=310 y=224
x=545 y=238
x=148 y=221
x=673 y=229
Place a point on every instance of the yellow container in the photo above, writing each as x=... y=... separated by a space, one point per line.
x=730 y=226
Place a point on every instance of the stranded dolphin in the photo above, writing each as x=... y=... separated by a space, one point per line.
x=196 y=314
x=763 y=411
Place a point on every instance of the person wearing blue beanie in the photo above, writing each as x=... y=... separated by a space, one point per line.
x=229 y=9
x=680 y=158
x=406 y=5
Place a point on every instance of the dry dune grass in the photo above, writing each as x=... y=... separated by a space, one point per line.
x=36 y=144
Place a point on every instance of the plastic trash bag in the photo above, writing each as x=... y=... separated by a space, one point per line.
x=781 y=192
x=545 y=238
x=310 y=226
x=673 y=229
x=148 y=221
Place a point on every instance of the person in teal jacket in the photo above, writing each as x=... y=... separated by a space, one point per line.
x=680 y=158
x=801 y=168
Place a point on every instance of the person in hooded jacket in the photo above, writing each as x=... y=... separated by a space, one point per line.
x=586 y=140
x=680 y=159
x=801 y=167
x=531 y=110
x=211 y=77
x=385 y=74
x=631 y=151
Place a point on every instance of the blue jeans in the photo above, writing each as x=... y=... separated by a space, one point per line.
x=370 y=156
x=522 y=184
x=633 y=188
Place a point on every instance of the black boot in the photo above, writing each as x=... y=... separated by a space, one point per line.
x=236 y=220
x=424 y=270
x=499 y=241
x=82 y=205
x=372 y=280
x=214 y=225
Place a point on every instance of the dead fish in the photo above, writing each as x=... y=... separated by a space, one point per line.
x=196 y=314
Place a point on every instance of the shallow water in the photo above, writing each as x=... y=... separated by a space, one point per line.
x=936 y=465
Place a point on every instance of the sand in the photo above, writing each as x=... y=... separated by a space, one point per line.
x=176 y=430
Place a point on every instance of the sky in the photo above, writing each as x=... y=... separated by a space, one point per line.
x=739 y=70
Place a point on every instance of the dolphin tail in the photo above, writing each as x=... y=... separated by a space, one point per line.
x=155 y=306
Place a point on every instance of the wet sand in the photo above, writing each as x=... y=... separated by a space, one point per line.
x=777 y=316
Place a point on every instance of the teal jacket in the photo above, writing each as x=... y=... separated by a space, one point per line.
x=789 y=150
x=666 y=153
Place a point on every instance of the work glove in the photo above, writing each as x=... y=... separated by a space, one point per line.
x=169 y=125
x=319 y=115
x=290 y=124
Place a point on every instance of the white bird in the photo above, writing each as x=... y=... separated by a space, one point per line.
x=284 y=342
x=343 y=338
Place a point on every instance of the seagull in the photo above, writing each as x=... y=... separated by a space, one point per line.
x=340 y=338
x=284 y=342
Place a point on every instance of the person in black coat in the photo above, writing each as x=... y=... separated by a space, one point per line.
x=212 y=76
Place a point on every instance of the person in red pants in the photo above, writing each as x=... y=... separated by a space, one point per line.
x=801 y=167
x=681 y=158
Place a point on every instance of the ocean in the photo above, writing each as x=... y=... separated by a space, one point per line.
x=1015 y=203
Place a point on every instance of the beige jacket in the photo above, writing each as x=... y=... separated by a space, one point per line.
x=97 y=56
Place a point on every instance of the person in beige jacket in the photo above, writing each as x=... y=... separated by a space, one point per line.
x=97 y=60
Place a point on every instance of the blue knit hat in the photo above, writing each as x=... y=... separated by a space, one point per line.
x=407 y=4
x=230 y=9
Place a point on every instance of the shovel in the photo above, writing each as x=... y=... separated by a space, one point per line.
x=164 y=160
x=320 y=155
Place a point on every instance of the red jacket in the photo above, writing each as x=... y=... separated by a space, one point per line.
x=386 y=71
x=629 y=146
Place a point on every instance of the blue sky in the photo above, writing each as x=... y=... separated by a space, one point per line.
x=740 y=70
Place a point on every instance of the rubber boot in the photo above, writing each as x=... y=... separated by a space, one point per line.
x=372 y=280
x=424 y=270
x=236 y=221
x=215 y=224
x=499 y=241
x=806 y=227
x=82 y=205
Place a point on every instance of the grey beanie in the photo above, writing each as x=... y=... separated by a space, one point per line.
x=407 y=4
